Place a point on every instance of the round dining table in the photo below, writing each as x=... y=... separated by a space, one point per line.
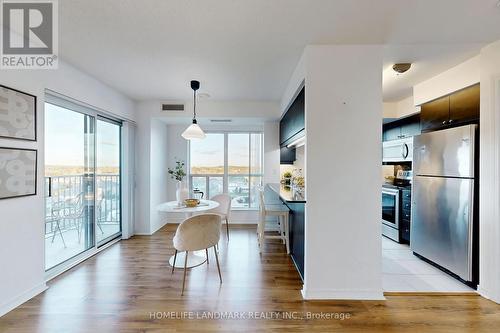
x=195 y=258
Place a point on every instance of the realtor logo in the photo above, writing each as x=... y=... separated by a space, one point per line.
x=29 y=34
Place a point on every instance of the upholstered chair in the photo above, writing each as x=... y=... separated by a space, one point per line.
x=224 y=209
x=197 y=233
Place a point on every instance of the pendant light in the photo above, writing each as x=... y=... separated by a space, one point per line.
x=194 y=131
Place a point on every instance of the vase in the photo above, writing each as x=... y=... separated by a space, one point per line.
x=181 y=193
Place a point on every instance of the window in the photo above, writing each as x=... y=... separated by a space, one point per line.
x=228 y=163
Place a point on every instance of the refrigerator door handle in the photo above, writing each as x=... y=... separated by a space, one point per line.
x=469 y=210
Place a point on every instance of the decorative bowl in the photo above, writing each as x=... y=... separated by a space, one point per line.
x=191 y=202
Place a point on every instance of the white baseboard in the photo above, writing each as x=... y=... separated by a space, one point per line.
x=486 y=294
x=334 y=294
x=162 y=224
x=24 y=297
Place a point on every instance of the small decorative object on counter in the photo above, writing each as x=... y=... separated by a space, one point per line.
x=178 y=173
x=287 y=178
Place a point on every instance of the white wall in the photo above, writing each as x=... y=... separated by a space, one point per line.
x=294 y=84
x=271 y=152
x=158 y=172
x=399 y=109
x=489 y=284
x=142 y=225
x=456 y=78
x=22 y=230
x=342 y=241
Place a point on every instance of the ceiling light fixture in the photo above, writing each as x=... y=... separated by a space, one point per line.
x=194 y=130
x=401 y=67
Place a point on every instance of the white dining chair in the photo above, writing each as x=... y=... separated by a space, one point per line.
x=197 y=233
x=277 y=210
x=224 y=209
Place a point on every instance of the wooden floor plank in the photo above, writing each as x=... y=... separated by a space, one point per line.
x=129 y=288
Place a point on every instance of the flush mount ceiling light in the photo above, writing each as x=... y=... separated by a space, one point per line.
x=401 y=67
x=194 y=130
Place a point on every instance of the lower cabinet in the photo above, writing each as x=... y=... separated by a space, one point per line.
x=296 y=225
x=404 y=217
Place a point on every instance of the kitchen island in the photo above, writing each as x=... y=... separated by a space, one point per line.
x=295 y=201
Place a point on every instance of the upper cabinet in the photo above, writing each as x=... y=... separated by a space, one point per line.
x=287 y=155
x=402 y=128
x=461 y=107
x=435 y=114
x=292 y=125
x=464 y=105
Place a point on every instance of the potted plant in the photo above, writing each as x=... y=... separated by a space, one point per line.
x=178 y=174
x=287 y=177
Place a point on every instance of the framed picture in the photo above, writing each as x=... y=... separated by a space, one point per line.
x=17 y=172
x=17 y=114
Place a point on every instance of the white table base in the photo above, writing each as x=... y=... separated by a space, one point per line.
x=196 y=258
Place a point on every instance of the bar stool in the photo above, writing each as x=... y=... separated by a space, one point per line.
x=279 y=211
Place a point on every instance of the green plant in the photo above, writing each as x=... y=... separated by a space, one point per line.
x=287 y=174
x=178 y=172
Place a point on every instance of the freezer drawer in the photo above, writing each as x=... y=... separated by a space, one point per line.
x=441 y=228
x=447 y=153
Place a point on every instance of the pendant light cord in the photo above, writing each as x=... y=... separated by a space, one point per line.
x=194 y=104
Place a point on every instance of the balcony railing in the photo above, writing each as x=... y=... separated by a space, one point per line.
x=65 y=201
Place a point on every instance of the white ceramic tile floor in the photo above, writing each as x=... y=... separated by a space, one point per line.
x=402 y=271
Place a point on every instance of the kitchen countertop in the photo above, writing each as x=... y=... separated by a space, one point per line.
x=287 y=194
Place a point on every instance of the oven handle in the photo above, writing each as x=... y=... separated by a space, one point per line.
x=390 y=191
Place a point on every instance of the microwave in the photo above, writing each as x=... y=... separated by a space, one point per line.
x=398 y=150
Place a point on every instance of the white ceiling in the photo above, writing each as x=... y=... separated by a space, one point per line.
x=247 y=50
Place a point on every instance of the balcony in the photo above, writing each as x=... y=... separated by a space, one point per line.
x=69 y=226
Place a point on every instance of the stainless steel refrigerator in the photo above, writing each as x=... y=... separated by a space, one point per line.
x=442 y=222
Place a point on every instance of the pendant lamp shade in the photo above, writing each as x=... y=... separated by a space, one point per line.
x=194 y=130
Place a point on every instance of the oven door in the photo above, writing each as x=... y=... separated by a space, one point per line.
x=390 y=207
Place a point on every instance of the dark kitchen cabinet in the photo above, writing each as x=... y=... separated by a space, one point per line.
x=435 y=114
x=464 y=105
x=393 y=133
x=405 y=216
x=459 y=108
x=287 y=155
x=402 y=128
x=296 y=228
x=411 y=129
x=292 y=125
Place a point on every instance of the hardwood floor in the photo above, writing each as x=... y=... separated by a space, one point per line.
x=129 y=288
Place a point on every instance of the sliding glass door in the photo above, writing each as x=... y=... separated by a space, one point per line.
x=82 y=182
x=69 y=184
x=108 y=185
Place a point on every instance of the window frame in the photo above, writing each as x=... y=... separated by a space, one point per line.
x=225 y=176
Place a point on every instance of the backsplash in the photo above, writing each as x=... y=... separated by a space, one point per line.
x=392 y=170
x=299 y=163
